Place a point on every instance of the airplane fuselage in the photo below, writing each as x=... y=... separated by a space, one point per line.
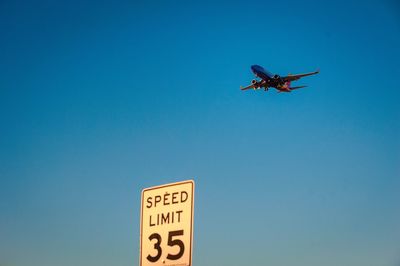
x=260 y=72
x=269 y=79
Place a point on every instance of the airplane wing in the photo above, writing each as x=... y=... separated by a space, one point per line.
x=256 y=85
x=248 y=87
x=291 y=77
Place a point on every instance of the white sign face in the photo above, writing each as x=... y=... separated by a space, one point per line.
x=166 y=229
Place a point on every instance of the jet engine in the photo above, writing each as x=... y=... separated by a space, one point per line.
x=255 y=83
x=277 y=76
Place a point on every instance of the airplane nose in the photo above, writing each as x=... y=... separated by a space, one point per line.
x=254 y=69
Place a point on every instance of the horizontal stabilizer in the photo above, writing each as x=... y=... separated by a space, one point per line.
x=298 y=87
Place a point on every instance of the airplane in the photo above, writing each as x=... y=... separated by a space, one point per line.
x=282 y=84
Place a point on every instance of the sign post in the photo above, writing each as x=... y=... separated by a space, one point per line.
x=166 y=225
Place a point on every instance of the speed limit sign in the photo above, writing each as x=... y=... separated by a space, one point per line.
x=166 y=228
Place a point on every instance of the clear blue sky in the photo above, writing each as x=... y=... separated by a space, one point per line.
x=100 y=99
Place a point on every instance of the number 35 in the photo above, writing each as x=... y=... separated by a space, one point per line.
x=171 y=242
